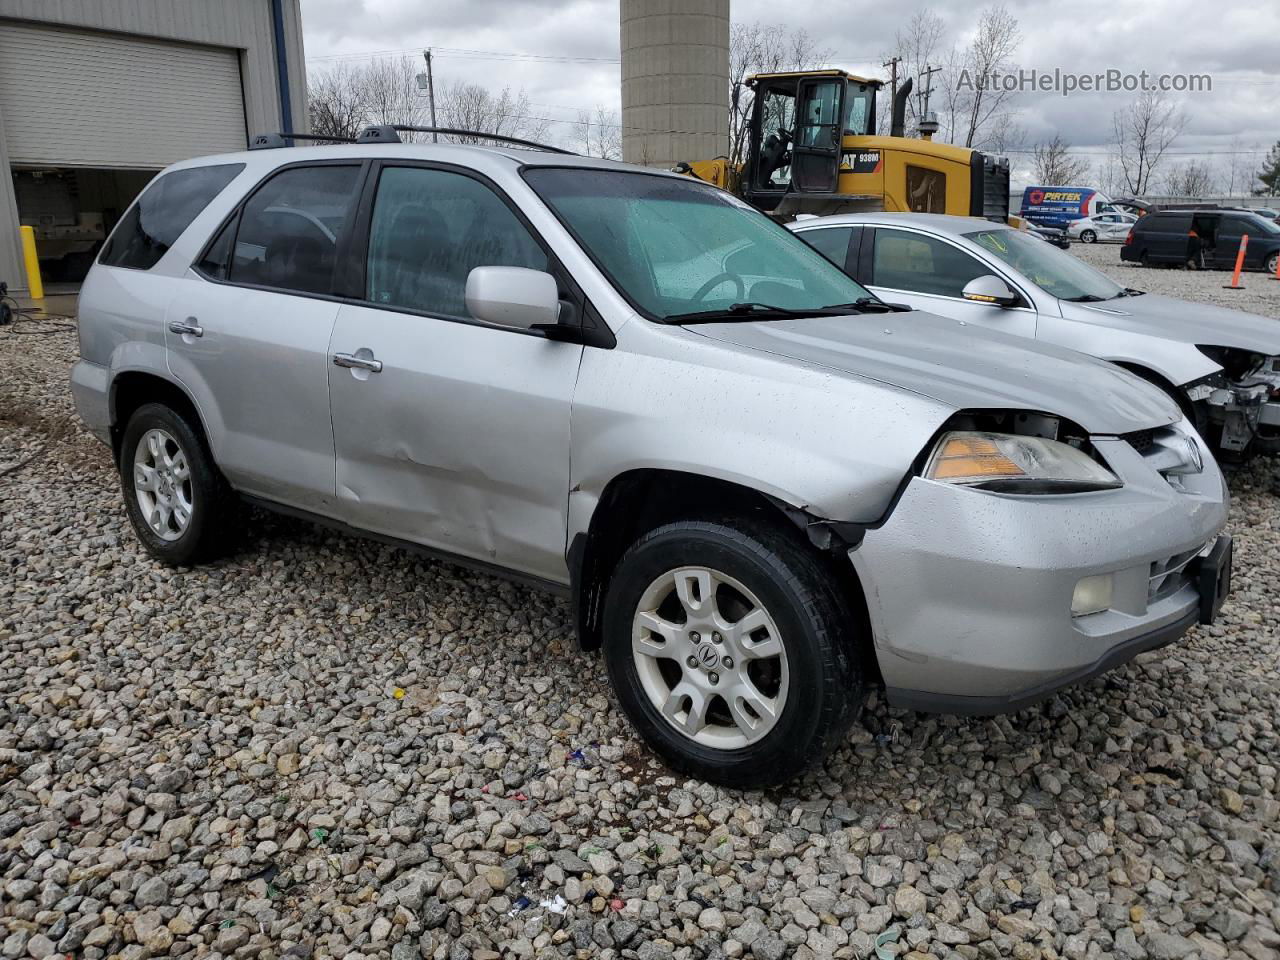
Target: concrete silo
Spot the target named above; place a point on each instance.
(675, 80)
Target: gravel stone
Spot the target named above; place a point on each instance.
(326, 747)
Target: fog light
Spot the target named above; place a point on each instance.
(1092, 595)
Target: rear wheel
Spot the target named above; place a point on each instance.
(1272, 262)
(1088, 236)
(730, 650)
(179, 504)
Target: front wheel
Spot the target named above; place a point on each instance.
(730, 649)
(1088, 236)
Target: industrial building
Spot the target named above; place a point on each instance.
(98, 95)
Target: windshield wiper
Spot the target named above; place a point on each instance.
(1085, 298)
(873, 305)
(759, 311)
(1130, 292)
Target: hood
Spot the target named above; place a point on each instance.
(964, 366)
(1194, 323)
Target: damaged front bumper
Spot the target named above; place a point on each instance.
(1246, 412)
(970, 593)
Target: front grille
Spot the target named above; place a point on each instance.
(1168, 575)
(1141, 440)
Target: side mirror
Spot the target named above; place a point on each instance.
(991, 290)
(514, 297)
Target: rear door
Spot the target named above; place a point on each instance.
(452, 433)
(929, 273)
(1167, 236)
(248, 333)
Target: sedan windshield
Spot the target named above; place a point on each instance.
(1056, 272)
(680, 249)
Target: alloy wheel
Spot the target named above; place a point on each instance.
(162, 484)
(709, 657)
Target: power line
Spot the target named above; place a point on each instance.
(462, 53)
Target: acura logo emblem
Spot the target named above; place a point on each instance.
(707, 656)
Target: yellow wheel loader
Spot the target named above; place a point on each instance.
(813, 150)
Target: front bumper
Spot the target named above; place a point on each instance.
(969, 593)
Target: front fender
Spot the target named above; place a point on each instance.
(833, 446)
(1179, 363)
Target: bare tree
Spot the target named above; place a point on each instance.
(598, 134)
(916, 47)
(389, 86)
(469, 106)
(761, 48)
(1054, 163)
(335, 102)
(991, 51)
(1192, 179)
(1143, 132)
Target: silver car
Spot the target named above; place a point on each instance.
(1105, 227)
(1222, 366)
(760, 489)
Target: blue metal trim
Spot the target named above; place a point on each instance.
(282, 65)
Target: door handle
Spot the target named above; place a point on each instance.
(358, 363)
(188, 326)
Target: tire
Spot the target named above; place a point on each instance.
(1271, 263)
(157, 442)
(766, 582)
(1088, 236)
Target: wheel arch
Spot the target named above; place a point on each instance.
(131, 389)
(642, 499)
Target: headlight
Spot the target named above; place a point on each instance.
(1014, 464)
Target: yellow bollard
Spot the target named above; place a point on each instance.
(34, 284)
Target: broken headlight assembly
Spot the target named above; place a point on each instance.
(1012, 463)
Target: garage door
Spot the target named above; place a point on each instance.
(75, 98)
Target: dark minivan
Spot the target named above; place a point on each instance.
(1206, 239)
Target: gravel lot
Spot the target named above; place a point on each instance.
(327, 747)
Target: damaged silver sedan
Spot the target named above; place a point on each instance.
(761, 489)
(1222, 366)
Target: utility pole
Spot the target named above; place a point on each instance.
(927, 75)
(892, 64)
(431, 93)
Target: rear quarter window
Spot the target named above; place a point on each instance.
(165, 209)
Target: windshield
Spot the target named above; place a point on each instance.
(1058, 273)
(674, 247)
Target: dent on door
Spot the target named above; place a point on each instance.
(460, 441)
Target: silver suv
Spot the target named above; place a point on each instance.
(762, 489)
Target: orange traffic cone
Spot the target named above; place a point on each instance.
(1235, 283)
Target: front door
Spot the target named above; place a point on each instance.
(928, 273)
(815, 162)
(248, 333)
(450, 432)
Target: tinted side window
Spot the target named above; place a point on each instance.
(910, 261)
(1234, 226)
(291, 227)
(430, 229)
(831, 242)
(165, 209)
(216, 261)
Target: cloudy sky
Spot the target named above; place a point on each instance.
(565, 54)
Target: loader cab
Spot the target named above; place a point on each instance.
(798, 125)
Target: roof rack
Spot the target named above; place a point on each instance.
(390, 133)
(273, 141)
